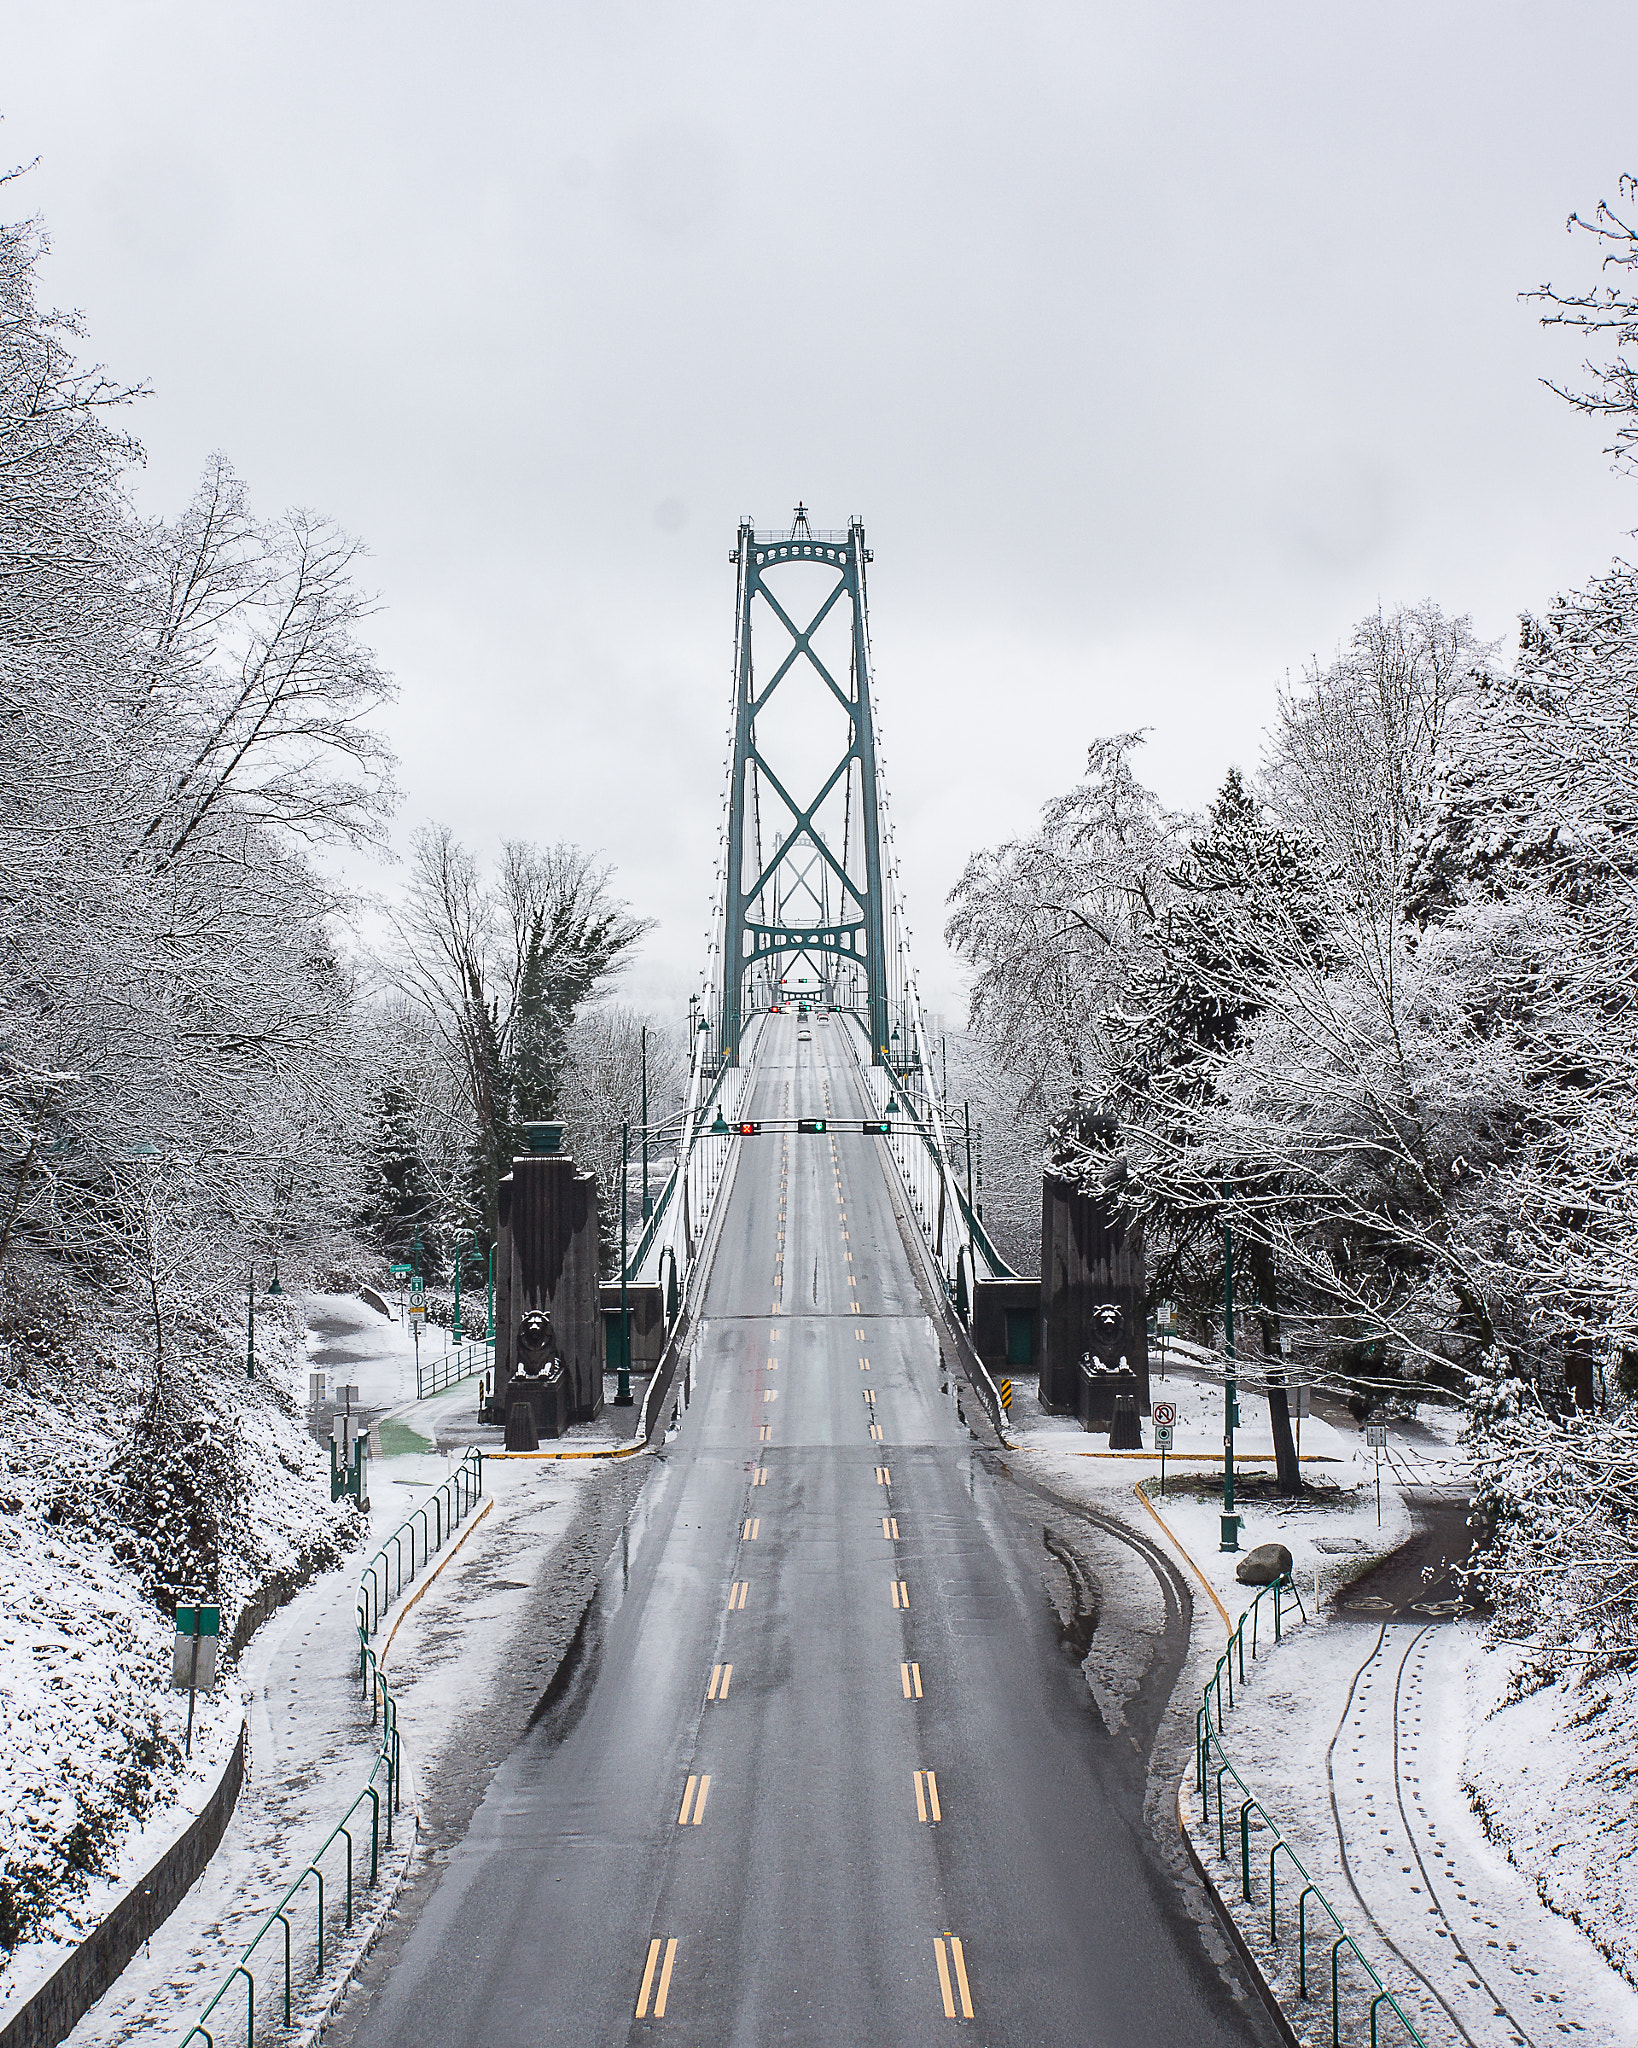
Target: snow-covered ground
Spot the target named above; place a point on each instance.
(1361, 1740)
(1368, 1742)
(312, 1743)
(102, 1511)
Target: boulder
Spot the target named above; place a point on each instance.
(1265, 1564)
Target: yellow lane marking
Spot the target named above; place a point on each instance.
(770, 1394)
(910, 1675)
(944, 1990)
(875, 1432)
(773, 1365)
(671, 1957)
(648, 1977)
(760, 1476)
(705, 1786)
(773, 1336)
(738, 1591)
(870, 1396)
(857, 1333)
(927, 1806)
(883, 1476)
(901, 1593)
(853, 1305)
(752, 1531)
(722, 1672)
(959, 1959)
(890, 1528)
(698, 1815)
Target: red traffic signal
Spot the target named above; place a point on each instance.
(749, 1130)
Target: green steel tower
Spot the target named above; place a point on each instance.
(803, 898)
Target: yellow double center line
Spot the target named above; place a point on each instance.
(960, 1962)
(665, 1978)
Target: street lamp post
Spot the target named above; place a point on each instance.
(622, 1391)
(647, 1205)
(1231, 1397)
(250, 1315)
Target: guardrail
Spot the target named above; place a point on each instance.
(459, 1363)
(433, 1520)
(1208, 1739)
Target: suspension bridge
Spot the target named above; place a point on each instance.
(821, 1770)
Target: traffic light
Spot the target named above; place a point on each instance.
(810, 1123)
(876, 1130)
(749, 1130)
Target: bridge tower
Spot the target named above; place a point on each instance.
(803, 907)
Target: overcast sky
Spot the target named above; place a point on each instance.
(1153, 345)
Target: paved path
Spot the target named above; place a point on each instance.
(823, 1771)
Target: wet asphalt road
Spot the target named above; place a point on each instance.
(821, 1772)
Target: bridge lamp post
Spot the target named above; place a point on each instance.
(648, 1206)
(622, 1391)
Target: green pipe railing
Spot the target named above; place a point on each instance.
(1208, 1740)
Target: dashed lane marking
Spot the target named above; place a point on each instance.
(890, 1528)
(701, 1786)
(927, 1806)
(737, 1594)
(720, 1675)
(910, 1679)
(901, 1593)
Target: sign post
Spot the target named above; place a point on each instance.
(1164, 1416)
(193, 1656)
(1376, 1436)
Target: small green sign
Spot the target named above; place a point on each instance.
(210, 1621)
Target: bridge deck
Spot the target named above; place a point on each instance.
(831, 1573)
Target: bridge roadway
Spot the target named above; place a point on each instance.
(823, 1772)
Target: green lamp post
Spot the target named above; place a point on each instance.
(622, 1391)
(1231, 1397)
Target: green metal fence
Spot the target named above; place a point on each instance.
(1209, 1750)
(382, 1579)
(459, 1363)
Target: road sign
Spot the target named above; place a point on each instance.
(878, 1130)
(1376, 1435)
(401, 1269)
(193, 1656)
(810, 1123)
(1006, 1395)
(1163, 1436)
(1299, 1400)
(418, 1295)
(1165, 1414)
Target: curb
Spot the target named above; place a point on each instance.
(1211, 1592)
(1231, 1928)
